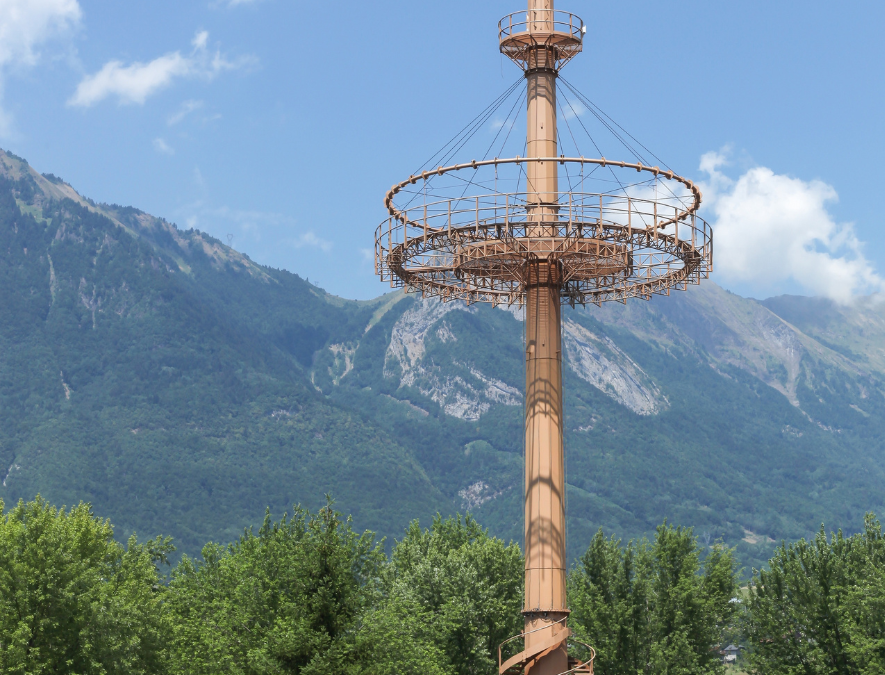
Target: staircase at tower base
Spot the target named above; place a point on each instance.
(522, 663)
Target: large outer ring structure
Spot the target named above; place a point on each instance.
(608, 246)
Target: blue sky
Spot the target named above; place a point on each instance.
(283, 123)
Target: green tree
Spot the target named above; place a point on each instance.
(397, 637)
(653, 608)
(284, 600)
(463, 585)
(73, 600)
(821, 606)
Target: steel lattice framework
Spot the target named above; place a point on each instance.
(609, 246)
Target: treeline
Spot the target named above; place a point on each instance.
(309, 595)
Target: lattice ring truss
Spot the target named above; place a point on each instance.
(609, 245)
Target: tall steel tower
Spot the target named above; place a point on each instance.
(453, 237)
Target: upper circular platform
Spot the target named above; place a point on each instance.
(522, 32)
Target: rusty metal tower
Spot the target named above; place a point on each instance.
(465, 238)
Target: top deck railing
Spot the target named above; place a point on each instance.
(540, 22)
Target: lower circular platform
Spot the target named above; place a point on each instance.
(607, 246)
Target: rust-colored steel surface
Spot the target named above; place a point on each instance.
(538, 246)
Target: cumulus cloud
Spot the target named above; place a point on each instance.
(136, 82)
(771, 228)
(25, 26)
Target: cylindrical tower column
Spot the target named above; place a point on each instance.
(541, 183)
(545, 567)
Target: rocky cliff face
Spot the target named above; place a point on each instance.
(461, 389)
(466, 392)
(724, 329)
(598, 360)
(730, 331)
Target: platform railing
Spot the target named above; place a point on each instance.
(541, 21)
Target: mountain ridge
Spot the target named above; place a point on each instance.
(182, 387)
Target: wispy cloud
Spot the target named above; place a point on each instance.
(186, 109)
(163, 147)
(573, 109)
(221, 4)
(770, 228)
(25, 26)
(310, 239)
(256, 226)
(136, 82)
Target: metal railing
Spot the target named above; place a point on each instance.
(541, 21)
(609, 246)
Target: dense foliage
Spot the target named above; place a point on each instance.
(73, 600)
(461, 585)
(820, 608)
(308, 595)
(656, 607)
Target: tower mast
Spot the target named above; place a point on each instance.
(540, 248)
(545, 606)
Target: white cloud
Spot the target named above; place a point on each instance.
(138, 81)
(201, 39)
(771, 228)
(163, 147)
(573, 109)
(310, 239)
(186, 109)
(25, 26)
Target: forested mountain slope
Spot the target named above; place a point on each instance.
(163, 377)
(182, 388)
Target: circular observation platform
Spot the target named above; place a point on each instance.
(604, 245)
(522, 33)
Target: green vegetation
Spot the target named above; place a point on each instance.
(654, 607)
(282, 600)
(821, 606)
(73, 600)
(308, 595)
(175, 402)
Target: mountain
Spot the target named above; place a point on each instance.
(164, 377)
(182, 388)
